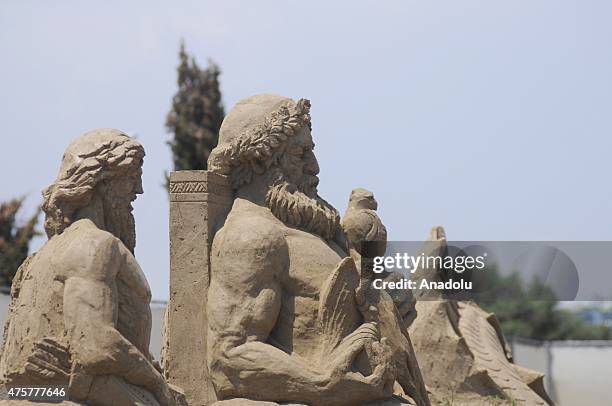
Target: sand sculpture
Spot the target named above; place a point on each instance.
(462, 352)
(461, 349)
(271, 297)
(80, 313)
(288, 307)
(364, 230)
(282, 320)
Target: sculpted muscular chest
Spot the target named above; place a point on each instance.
(311, 260)
(267, 260)
(118, 269)
(134, 296)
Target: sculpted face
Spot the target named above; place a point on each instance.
(99, 178)
(292, 195)
(118, 194)
(265, 140)
(299, 164)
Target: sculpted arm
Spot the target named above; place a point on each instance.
(244, 303)
(90, 313)
(243, 306)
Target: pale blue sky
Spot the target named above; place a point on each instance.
(492, 118)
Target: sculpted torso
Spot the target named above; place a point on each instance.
(134, 298)
(40, 310)
(265, 334)
(264, 341)
(284, 324)
(311, 260)
(300, 265)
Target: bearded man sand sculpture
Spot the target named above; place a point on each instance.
(283, 323)
(80, 312)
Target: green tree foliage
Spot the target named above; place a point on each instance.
(196, 115)
(531, 310)
(14, 240)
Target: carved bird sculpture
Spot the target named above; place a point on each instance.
(361, 224)
(367, 238)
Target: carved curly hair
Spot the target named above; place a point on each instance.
(259, 148)
(113, 155)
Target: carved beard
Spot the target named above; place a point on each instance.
(119, 220)
(297, 209)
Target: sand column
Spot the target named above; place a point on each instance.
(199, 201)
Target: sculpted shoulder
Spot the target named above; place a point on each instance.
(88, 251)
(253, 229)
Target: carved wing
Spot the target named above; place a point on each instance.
(364, 225)
(378, 232)
(490, 355)
(338, 314)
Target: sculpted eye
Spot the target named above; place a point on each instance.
(297, 151)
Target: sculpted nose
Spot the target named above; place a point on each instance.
(138, 189)
(312, 166)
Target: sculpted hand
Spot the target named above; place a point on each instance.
(49, 361)
(350, 347)
(342, 379)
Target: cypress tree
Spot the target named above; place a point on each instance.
(196, 115)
